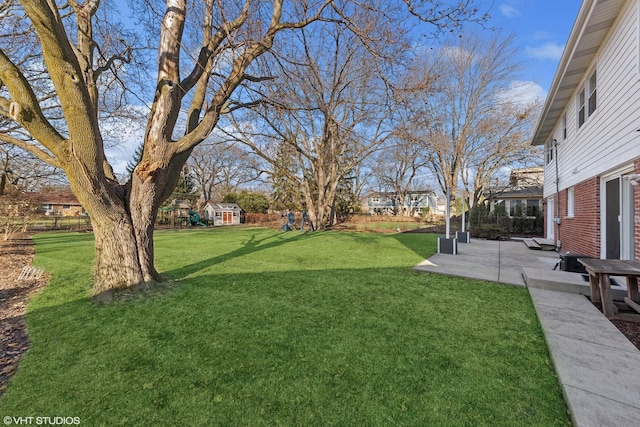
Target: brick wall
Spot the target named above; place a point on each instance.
(581, 233)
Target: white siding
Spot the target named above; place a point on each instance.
(609, 137)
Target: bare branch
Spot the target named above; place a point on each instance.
(31, 148)
(24, 108)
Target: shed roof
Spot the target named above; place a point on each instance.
(231, 206)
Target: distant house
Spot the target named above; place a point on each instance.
(589, 127)
(522, 195)
(415, 203)
(58, 203)
(222, 213)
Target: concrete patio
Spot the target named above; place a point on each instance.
(597, 366)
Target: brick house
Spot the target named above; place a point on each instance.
(589, 127)
(59, 203)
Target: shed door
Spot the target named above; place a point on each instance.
(227, 217)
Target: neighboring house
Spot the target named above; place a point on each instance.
(58, 203)
(522, 194)
(222, 213)
(590, 130)
(416, 202)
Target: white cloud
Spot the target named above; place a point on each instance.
(542, 35)
(523, 93)
(548, 50)
(509, 11)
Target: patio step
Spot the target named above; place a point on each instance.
(531, 244)
(545, 244)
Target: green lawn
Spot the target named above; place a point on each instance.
(266, 328)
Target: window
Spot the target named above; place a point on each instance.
(592, 94)
(581, 117)
(588, 106)
(533, 207)
(515, 208)
(570, 202)
(66, 206)
(549, 150)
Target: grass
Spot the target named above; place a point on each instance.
(284, 329)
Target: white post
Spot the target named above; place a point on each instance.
(448, 210)
(464, 199)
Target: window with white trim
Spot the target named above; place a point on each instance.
(592, 93)
(587, 100)
(570, 202)
(549, 151)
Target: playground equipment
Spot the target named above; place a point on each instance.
(179, 214)
(194, 219)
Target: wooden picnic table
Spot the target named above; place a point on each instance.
(599, 272)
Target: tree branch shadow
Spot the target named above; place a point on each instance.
(250, 246)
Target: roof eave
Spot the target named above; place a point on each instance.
(593, 23)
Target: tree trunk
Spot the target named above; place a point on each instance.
(123, 225)
(124, 250)
(143, 208)
(116, 265)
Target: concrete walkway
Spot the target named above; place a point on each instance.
(597, 366)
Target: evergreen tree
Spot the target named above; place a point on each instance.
(137, 156)
(286, 190)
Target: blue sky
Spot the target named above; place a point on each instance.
(541, 29)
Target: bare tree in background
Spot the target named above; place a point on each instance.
(398, 170)
(473, 124)
(22, 171)
(330, 107)
(219, 167)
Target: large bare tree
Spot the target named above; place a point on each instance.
(330, 108)
(79, 59)
(472, 121)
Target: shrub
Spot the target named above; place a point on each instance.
(490, 232)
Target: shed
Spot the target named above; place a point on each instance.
(222, 213)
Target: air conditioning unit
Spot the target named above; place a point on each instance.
(569, 262)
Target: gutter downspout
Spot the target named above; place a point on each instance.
(557, 201)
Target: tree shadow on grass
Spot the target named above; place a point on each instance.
(250, 246)
(423, 244)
